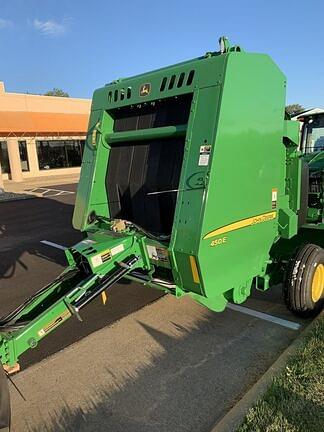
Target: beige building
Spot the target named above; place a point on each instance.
(40, 135)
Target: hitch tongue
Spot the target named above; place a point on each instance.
(69, 301)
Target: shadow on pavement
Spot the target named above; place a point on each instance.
(23, 224)
(187, 388)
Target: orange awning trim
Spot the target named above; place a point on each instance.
(20, 122)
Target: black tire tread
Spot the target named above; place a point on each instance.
(295, 294)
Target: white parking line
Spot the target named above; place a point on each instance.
(55, 245)
(43, 191)
(285, 323)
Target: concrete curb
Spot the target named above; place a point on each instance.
(18, 197)
(233, 419)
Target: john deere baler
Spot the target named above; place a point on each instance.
(191, 183)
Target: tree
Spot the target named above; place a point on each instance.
(57, 92)
(294, 109)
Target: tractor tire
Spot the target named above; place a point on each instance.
(304, 282)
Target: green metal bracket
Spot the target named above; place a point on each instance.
(216, 304)
(94, 134)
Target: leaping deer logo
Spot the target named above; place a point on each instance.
(145, 89)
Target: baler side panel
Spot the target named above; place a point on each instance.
(248, 166)
(193, 184)
(91, 195)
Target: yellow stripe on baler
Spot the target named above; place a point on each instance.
(194, 269)
(254, 220)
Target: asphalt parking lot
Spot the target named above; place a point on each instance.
(169, 366)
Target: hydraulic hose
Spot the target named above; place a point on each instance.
(7, 322)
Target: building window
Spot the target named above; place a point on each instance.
(59, 153)
(4, 158)
(23, 156)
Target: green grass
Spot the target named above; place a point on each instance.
(294, 402)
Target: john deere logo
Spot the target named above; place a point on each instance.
(145, 89)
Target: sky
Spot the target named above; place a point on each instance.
(80, 45)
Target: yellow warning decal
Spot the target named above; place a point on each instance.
(194, 269)
(254, 220)
(51, 325)
(104, 297)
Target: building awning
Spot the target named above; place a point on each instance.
(38, 123)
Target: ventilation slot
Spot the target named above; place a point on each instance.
(163, 84)
(181, 79)
(190, 77)
(171, 83)
(119, 95)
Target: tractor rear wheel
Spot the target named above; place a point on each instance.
(304, 282)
